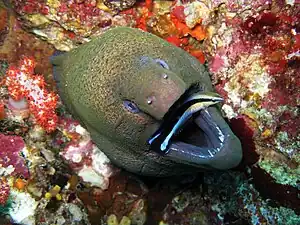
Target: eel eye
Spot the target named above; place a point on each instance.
(162, 63)
(130, 106)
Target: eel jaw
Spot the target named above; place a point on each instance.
(223, 152)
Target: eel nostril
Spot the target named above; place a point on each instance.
(165, 76)
(150, 100)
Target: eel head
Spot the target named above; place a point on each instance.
(149, 105)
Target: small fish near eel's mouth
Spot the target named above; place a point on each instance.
(193, 132)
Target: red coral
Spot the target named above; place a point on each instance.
(178, 18)
(10, 154)
(149, 5)
(177, 41)
(31, 7)
(83, 11)
(22, 83)
(174, 40)
(178, 12)
(198, 54)
(2, 111)
(262, 24)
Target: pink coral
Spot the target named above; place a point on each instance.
(10, 154)
(217, 64)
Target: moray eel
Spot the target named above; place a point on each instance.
(148, 105)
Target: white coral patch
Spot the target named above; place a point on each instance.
(80, 130)
(101, 163)
(290, 2)
(23, 207)
(260, 84)
(98, 174)
(195, 12)
(233, 94)
(76, 158)
(89, 175)
(55, 36)
(229, 112)
(254, 75)
(6, 170)
(248, 77)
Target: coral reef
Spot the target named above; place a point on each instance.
(252, 62)
(22, 84)
(49, 165)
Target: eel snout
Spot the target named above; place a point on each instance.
(198, 135)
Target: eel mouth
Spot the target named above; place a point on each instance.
(193, 132)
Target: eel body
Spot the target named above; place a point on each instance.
(149, 106)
